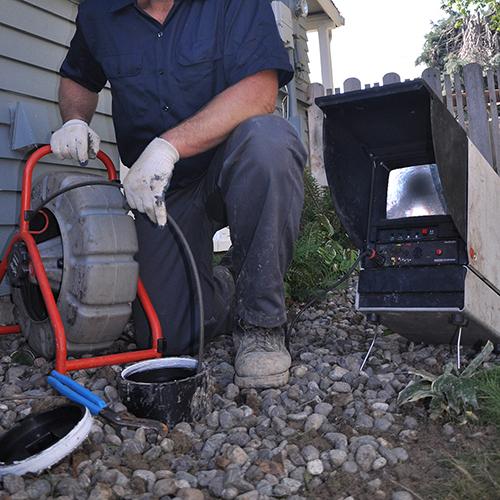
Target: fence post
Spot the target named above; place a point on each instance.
(479, 132)
(315, 122)
(432, 77)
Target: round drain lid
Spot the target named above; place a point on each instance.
(40, 441)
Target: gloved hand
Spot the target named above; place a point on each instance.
(148, 179)
(75, 140)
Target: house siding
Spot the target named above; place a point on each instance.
(34, 37)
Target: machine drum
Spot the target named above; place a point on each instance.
(87, 243)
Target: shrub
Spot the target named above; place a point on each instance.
(323, 251)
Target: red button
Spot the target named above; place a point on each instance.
(439, 251)
(425, 231)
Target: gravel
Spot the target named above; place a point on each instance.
(281, 443)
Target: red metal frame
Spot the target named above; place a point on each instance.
(63, 364)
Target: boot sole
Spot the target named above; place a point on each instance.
(263, 382)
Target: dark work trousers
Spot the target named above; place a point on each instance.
(254, 185)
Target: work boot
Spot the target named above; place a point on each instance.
(261, 360)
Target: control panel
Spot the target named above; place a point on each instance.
(417, 246)
(420, 253)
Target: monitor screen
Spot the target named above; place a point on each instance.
(415, 192)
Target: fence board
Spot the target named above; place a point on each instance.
(315, 119)
(449, 94)
(459, 99)
(391, 78)
(352, 84)
(495, 130)
(476, 110)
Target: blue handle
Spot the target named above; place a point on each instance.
(76, 392)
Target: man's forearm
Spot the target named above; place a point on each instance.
(253, 96)
(75, 101)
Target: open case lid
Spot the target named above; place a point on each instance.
(400, 125)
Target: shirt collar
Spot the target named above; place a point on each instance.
(119, 4)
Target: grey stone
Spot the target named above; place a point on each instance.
(237, 455)
(68, 487)
(314, 422)
(153, 453)
(410, 422)
(342, 387)
(226, 420)
(186, 476)
(350, 467)
(249, 495)
(323, 409)
(212, 445)
(100, 492)
(374, 484)
(379, 463)
(388, 454)
(382, 424)
(229, 493)
(190, 494)
(12, 483)
(364, 421)
(232, 391)
(132, 447)
(234, 478)
(147, 476)
(402, 495)
(315, 467)
(401, 454)
(365, 456)
(205, 476)
(39, 489)
(338, 373)
(337, 440)
(167, 445)
(165, 487)
(309, 453)
(337, 457)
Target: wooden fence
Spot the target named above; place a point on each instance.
(471, 95)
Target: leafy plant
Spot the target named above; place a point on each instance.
(323, 251)
(453, 393)
(469, 34)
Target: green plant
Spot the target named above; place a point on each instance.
(323, 250)
(488, 394)
(469, 34)
(454, 393)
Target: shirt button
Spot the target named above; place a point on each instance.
(161, 72)
(160, 34)
(165, 107)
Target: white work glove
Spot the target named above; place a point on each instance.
(75, 140)
(148, 179)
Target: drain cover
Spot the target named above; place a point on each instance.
(40, 441)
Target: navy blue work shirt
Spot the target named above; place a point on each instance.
(160, 74)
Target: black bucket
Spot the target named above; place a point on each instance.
(171, 390)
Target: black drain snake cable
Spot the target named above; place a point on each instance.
(192, 263)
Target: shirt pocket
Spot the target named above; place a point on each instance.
(122, 65)
(196, 60)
